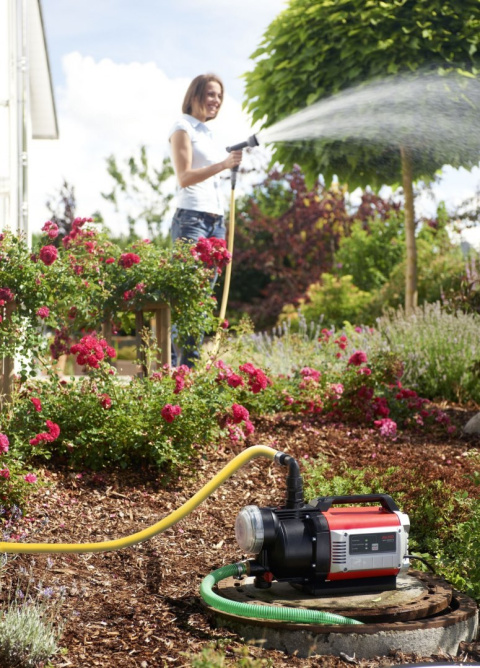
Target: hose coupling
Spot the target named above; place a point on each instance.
(242, 569)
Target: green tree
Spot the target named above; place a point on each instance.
(316, 49)
(370, 253)
(140, 190)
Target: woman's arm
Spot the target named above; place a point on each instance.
(182, 161)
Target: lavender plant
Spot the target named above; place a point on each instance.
(440, 350)
(30, 624)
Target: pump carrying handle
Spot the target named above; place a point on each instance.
(326, 502)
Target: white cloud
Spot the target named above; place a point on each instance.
(107, 108)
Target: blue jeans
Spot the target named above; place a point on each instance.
(189, 225)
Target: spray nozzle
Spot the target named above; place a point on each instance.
(251, 141)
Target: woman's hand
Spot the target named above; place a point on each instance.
(233, 160)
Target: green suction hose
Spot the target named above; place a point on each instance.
(296, 615)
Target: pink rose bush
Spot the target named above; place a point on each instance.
(212, 252)
(10, 480)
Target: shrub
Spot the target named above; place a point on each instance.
(440, 351)
(161, 420)
(333, 299)
(459, 557)
(22, 294)
(370, 253)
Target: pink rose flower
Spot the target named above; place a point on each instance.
(105, 401)
(240, 413)
(4, 443)
(37, 404)
(6, 295)
(47, 436)
(51, 229)
(358, 358)
(386, 427)
(43, 312)
(127, 260)
(48, 255)
(169, 412)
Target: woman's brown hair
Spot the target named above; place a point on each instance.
(196, 91)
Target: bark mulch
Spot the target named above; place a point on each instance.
(140, 607)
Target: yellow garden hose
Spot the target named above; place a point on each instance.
(174, 517)
(228, 273)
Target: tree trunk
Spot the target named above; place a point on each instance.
(411, 294)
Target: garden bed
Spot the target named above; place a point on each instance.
(140, 606)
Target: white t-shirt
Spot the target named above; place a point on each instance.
(205, 196)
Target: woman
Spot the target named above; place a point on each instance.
(198, 161)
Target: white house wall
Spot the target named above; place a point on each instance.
(27, 106)
(8, 132)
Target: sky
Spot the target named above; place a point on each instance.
(120, 70)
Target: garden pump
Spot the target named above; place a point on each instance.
(251, 141)
(326, 546)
